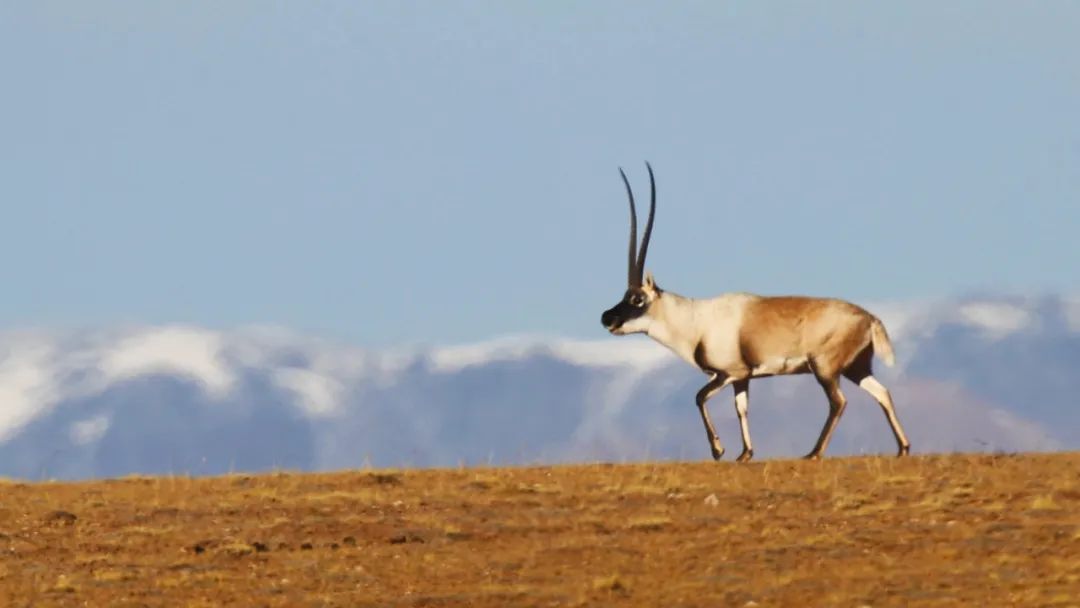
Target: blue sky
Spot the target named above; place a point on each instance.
(433, 172)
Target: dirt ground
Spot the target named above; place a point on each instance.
(993, 530)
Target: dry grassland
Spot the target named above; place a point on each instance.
(934, 530)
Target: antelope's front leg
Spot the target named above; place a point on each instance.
(718, 382)
(742, 403)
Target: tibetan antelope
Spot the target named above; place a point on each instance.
(735, 337)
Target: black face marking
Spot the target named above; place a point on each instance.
(635, 303)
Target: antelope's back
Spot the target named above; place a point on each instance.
(799, 326)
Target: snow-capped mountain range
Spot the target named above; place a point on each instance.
(994, 373)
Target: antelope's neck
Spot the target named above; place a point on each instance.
(674, 327)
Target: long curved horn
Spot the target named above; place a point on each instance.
(634, 275)
(648, 225)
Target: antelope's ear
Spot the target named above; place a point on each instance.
(649, 283)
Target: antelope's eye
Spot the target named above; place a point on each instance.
(637, 300)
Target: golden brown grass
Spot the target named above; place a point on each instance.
(935, 530)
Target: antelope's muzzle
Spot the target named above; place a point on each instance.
(611, 319)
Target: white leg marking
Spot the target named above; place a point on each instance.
(881, 394)
(742, 404)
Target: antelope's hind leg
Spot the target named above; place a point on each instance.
(830, 383)
(711, 388)
(861, 373)
(742, 404)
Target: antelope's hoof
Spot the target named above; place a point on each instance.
(745, 456)
(812, 456)
(903, 451)
(717, 453)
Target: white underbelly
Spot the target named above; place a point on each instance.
(780, 365)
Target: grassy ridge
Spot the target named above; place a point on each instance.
(931, 530)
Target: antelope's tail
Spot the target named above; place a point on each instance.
(879, 338)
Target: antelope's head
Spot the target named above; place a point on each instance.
(631, 314)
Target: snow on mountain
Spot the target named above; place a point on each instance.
(994, 373)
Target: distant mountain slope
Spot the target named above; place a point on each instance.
(976, 374)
